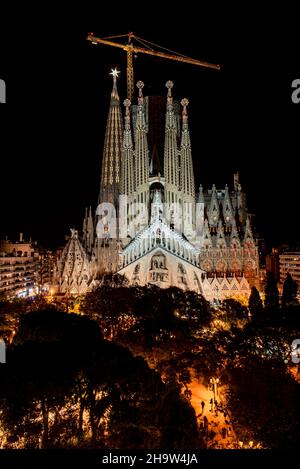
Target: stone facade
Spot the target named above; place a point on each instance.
(151, 225)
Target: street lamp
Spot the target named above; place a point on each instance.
(214, 384)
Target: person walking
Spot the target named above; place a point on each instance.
(202, 406)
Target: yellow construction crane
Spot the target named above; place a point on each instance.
(131, 48)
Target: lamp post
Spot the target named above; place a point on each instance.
(214, 384)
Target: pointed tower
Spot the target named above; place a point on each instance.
(171, 161)
(207, 241)
(200, 214)
(214, 209)
(157, 208)
(248, 236)
(105, 250)
(234, 236)
(141, 168)
(227, 208)
(220, 242)
(187, 182)
(72, 272)
(90, 232)
(84, 229)
(111, 161)
(241, 204)
(127, 185)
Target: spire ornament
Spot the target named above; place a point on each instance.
(184, 103)
(127, 104)
(127, 140)
(169, 86)
(140, 85)
(115, 74)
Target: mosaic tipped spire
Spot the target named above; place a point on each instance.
(111, 161)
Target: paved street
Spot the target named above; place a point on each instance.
(219, 433)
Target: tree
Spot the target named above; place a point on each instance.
(289, 293)
(271, 292)
(255, 303)
(108, 304)
(67, 387)
(264, 399)
(232, 312)
(178, 422)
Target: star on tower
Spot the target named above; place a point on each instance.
(115, 73)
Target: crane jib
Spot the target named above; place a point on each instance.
(132, 48)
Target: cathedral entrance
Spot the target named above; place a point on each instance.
(158, 272)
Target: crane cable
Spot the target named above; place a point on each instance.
(146, 43)
(163, 48)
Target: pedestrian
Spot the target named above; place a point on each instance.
(202, 405)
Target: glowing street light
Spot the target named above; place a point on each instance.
(214, 384)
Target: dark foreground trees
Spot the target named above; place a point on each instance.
(266, 399)
(255, 303)
(289, 292)
(64, 386)
(271, 292)
(121, 308)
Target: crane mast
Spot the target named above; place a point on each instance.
(131, 48)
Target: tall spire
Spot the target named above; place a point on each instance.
(111, 161)
(171, 153)
(127, 172)
(186, 166)
(141, 156)
(141, 147)
(187, 183)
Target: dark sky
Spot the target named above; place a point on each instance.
(241, 118)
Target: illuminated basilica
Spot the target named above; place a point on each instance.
(150, 224)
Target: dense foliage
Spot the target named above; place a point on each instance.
(64, 386)
(114, 376)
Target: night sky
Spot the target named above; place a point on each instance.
(241, 119)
